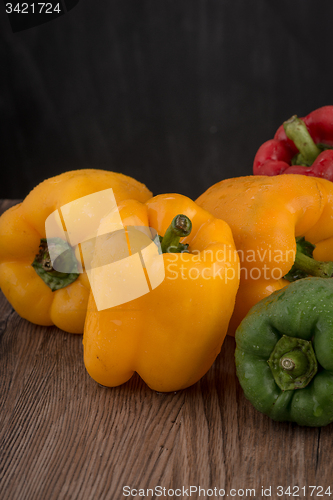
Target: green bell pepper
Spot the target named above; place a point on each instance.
(284, 353)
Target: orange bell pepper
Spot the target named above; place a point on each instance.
(265, 215)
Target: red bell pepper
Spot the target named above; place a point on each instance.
(300, 146)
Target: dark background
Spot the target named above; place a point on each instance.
(177, 93)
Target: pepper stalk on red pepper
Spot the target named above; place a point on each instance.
(300, 146)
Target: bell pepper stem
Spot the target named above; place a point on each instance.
(313, 267)
(305, 265)
(67, 263)
(293, 363)
(296, 131)
(180, 227)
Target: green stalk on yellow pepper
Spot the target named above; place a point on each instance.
(37, 292)
(171, 335)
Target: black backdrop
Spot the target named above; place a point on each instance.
(177, 93)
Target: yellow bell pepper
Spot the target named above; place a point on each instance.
(23, 226)
(265, 215)
(171, 335)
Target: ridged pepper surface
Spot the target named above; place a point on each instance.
(171, 335)
(284, 353)
(266, 215)
(22, 231)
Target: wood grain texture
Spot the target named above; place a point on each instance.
(64, 437)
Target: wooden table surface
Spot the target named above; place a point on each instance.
(64, 437)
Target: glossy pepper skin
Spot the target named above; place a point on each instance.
(23, 226)
(281, 155)
(265, 215)
(284, 353)
(172, 335)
